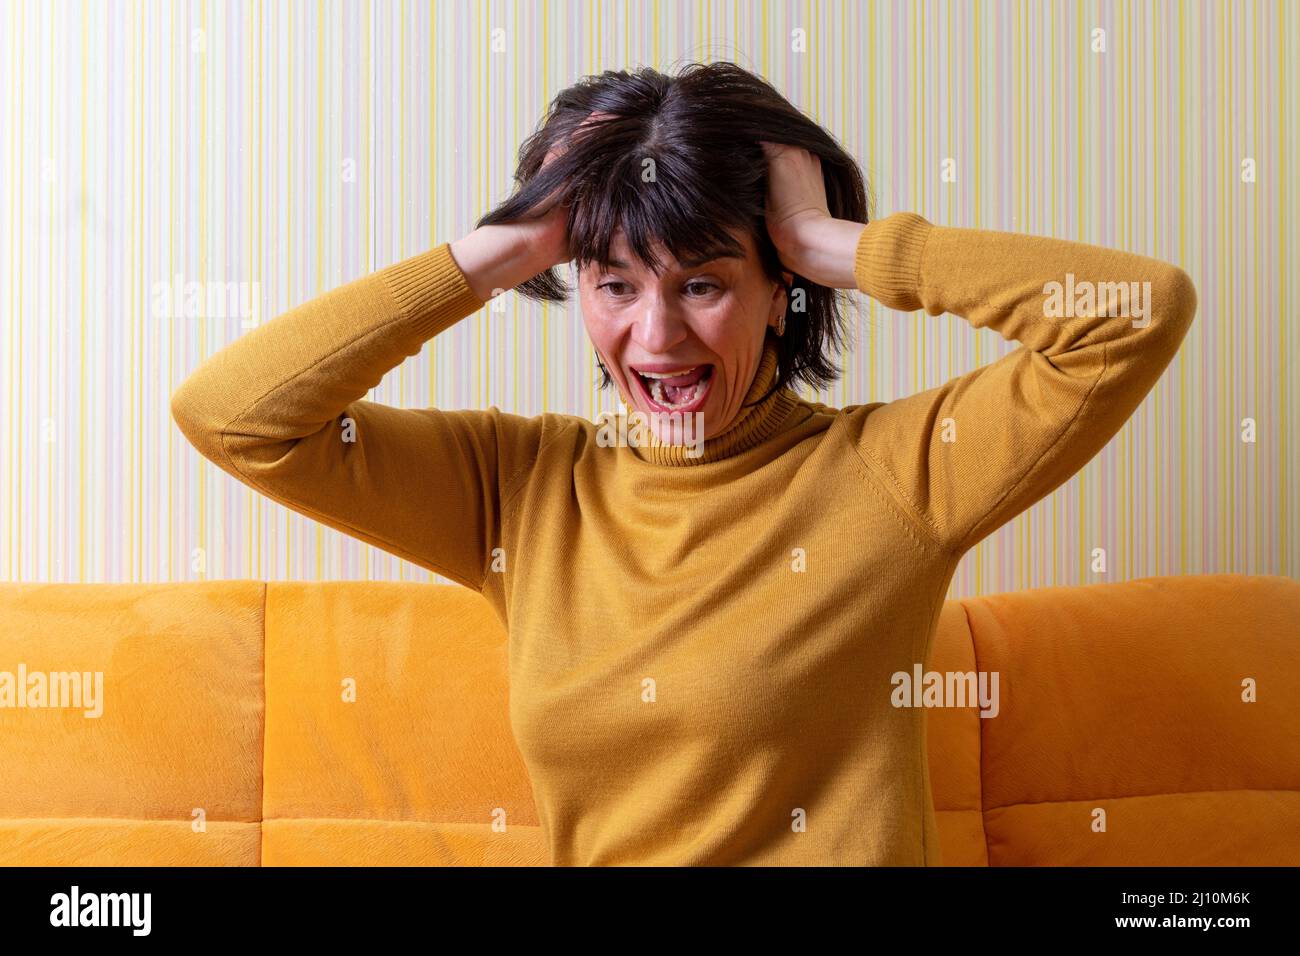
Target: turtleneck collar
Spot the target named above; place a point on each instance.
(752, 424)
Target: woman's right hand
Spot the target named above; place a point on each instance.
(499, 257)
(546, 229)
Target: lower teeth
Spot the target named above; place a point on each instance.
(657, 393)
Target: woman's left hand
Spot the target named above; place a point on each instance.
(796, 192)
(810, 241)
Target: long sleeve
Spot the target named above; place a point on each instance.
(282, 410)
(964, 458)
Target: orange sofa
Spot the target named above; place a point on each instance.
(246, 723)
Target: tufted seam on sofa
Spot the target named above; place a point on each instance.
(478, 824)
(261, 817)
(101, 818)
(258, 823)
(975, 653)
(1142, 796)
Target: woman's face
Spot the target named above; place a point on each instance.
(686, 341)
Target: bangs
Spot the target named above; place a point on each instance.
(683, 213)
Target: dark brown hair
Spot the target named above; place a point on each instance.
(702, 129)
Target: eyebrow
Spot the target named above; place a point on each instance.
(689, 263)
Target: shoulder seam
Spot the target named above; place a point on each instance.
(509, 487)
(886, 488)
(516, 481)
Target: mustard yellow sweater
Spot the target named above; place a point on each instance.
(701, 648)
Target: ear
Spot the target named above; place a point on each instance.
(780, 299)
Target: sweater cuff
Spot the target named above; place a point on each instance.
(887, 261)
(431, 289)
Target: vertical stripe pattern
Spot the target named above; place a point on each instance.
(173, 173)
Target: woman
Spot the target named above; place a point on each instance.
(702, 639)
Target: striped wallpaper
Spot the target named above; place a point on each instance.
(285, 148)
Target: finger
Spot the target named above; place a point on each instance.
(562, 146)
(559, 148)
(595, 116)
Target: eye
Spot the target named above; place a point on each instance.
(610, 284)
(700, 284)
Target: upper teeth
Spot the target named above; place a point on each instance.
(669, 374)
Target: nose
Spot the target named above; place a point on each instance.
(660, 327)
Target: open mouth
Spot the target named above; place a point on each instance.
(675, 390)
